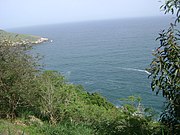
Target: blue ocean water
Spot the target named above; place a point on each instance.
(108, 56)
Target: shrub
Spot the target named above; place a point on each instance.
(18, 71)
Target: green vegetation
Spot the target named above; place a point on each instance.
(17, 37)
(22, 39)
(34, 101)
(38, 102)
(165, 69)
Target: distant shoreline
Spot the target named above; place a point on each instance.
(40, 40)
(19, 39)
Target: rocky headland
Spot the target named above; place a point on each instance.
(19, 39)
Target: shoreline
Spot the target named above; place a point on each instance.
(27, 41)
(40, 40)
(20, 39)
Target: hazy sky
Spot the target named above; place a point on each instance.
(17, 13)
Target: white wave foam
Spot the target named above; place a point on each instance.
(138, 70)
(147, 72)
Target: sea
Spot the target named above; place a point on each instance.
(106, 56)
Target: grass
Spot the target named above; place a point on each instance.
(66, 129)
(19, 127)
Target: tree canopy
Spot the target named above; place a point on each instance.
(165, 67)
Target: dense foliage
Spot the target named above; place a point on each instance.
(43, 102)
(35, 101)
(17, 74)
(165, 68)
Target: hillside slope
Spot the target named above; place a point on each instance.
(19, 38)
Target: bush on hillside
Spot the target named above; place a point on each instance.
(17, 74)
